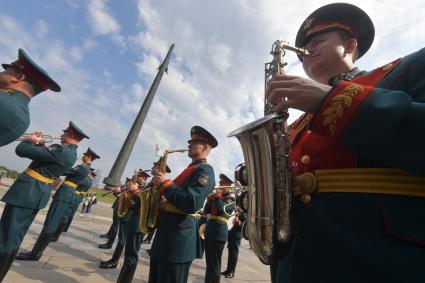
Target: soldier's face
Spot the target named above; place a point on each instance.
(141, 180)
(8, 76)
(327, 52)
(195, 148)
(155, 170)
(87, 158)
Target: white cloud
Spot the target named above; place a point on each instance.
(101, 19)
(41, 28)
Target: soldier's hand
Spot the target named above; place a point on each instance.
(159, 179)
(134, 187)
(296, 92)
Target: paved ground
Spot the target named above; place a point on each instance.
(75, 257)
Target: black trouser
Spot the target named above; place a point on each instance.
(133, 240)
(113, 230)
(233, 252)
(14, 224)
(168, 272)
(213, 253)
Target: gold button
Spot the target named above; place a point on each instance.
(387, 67)
(305, 198)
(305, 159)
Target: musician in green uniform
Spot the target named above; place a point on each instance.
(357, 157)
(19, 82)
(113, 230)
(219, 206)
(134, 233)
(63, 194)
(176, 239)
(31, 191)
(80, 192)
(60, 206)
(139, 183)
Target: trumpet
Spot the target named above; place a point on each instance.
(46, 138)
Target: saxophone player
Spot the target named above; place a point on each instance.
(175, 244)
(133, 234)
(358, 160)
(132, 188)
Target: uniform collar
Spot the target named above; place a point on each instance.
(346, 76)
(198, 161)
(70, 145)
(17, 94)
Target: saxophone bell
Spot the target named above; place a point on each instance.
(266, 148)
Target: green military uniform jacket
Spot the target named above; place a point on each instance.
(374, 237)
(14, 115)
(82, 188)
(76, 175)
(52, 161)
(217, 229)
(177, 239)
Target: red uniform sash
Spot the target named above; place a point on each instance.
(344, 101)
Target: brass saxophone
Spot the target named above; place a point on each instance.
(266, 148)
(123, 204)
(150, 198)
(124, 199)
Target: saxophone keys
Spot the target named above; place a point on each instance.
(305, 198)
(305, 159)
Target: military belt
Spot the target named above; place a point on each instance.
(360, 180)
(71, 184)
(38, 176)
(171, 208)
(219, 218)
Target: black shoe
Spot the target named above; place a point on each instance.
(113, 262)
(230, 275)
(108, 264)
(35, 256)
(105, 246)
(37, 251)
(224, 272)
(104, 236)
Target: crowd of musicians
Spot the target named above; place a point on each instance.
(356, 160)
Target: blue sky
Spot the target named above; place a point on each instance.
(105, 54)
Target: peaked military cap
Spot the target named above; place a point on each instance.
(92, 154)
(198, 133)
(143, 173)
(225, 179)
(167, 169)
(338, 16)
(75, 130)
(35, 73)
